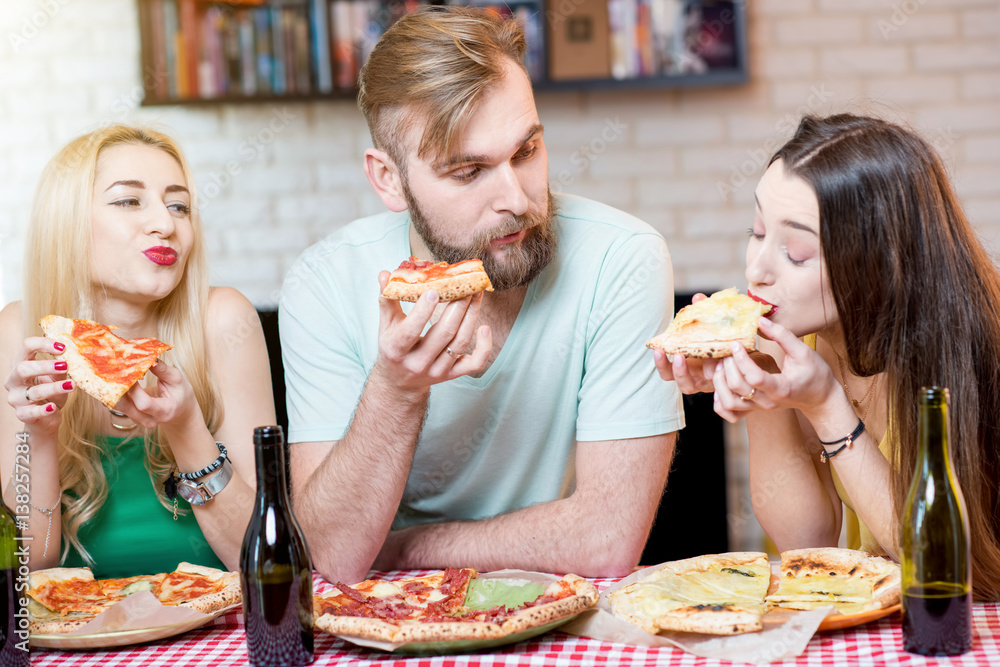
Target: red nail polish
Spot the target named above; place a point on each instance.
(61, 366)
(50, 408)
(67, 385)
(59, 346)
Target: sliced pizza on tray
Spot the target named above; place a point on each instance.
(852, 581)
(719, 594)
(451, 281)
(101, 363)
(63, 599)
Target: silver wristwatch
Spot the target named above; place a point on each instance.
(199, 493)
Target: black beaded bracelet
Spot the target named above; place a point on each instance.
(848, 441)
(211, 467)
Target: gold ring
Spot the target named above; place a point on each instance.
(454, 355)
(27, 396)
(749, 397)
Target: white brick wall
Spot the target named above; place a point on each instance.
(278, 177)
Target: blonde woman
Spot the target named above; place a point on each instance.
(115, 237)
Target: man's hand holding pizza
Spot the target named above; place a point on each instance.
(410, 360)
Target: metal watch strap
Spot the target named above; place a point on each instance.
(205, 491)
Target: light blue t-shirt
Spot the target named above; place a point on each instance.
(574, 367)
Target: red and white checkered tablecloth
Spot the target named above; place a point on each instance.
(223, 643)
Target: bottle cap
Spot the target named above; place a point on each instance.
(268, 435)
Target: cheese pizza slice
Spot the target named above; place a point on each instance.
(451, 281)
(102, 364)
(718, 594)
(852, 581)
(708, 328)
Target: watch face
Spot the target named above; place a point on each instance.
(190, 493)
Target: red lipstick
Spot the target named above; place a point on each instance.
(756, 298)
(161, 255)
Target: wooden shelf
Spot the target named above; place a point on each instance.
(221, 60)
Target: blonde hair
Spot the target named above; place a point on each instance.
(58, 280)
(434, 65)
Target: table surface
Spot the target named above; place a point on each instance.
(223, 643)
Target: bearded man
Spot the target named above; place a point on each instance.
(521, 428)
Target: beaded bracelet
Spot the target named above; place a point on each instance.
(211, 467)
(848, 441)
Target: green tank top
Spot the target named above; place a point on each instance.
(133, 533)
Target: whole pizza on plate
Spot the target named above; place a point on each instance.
(433, 608)
(62, 599)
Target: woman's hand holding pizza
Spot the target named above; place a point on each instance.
(413, 360)
(174, 400)
(744, 383)
(37, 388)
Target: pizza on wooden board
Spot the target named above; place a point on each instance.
(99, 362)
(724, 594)
(451, 281)
(62, 599)
(708, 328)
(433, 608)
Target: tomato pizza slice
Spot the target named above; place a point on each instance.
(451, 281)
(102, 364)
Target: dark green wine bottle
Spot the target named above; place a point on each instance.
(275, 568)
(13, 583)
(936, 555)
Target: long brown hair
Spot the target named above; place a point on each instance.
(917, 297)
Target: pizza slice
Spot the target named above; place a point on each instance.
(719, 594)
(61, 599)
(204, 589)
(707, 329)
(852, 581)
(452, 281)
(102, 364)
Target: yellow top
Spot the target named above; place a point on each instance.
(858, 535)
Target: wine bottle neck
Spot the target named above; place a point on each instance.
(271, 476)
(933, 453)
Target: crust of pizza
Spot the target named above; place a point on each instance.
(708, 328)
(853, 581)
(57, 627)
(719, 594)
(451, 288)
(355, 626)
(79, 369)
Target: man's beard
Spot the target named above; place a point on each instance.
(519, 262)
